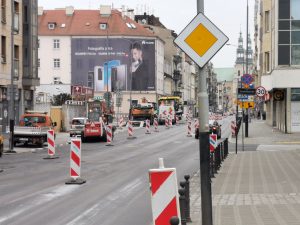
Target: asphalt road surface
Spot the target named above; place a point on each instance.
(116, 192)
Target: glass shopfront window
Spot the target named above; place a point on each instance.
(289, 32)
(295, 94)
(295, 9)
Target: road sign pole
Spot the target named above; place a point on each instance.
(247, 41)
(206, 198)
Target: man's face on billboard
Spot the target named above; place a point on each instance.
(136, 54)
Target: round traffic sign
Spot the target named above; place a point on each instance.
(260, 91)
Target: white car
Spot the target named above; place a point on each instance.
(77, 125)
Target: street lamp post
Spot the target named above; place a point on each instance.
(12, 94)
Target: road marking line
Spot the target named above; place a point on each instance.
(104, 203)
(42, 199)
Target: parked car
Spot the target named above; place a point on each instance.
(214, 128)
(77, 126)
(33, 128)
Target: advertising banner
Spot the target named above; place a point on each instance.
(117, 64)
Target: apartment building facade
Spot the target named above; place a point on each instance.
(279, 37)
(18, 74)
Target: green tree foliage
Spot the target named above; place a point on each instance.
(60, 99)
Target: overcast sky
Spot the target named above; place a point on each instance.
(228, 15)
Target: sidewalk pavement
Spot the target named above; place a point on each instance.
(256, 187)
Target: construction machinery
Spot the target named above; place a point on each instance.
(142, 112)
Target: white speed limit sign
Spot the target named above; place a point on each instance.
(260, 91)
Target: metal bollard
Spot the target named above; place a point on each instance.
(187, 196)
(174, 220)
(182, 204)
(226, 148)
(217, 155)
(212, 165)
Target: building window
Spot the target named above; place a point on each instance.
(3, 49)
(289, 32)
(295, 94)
(295, 12)
(90, 79)
(51, 26)
(39, 63)
(16, 16)
(3, 11)
(56, 63)
(103, 26)
(56, 80)
(267, 62)
(16, 61)
(267, 21)
(56, 43)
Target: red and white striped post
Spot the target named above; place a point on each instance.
(130, 130)
(51, 145)
(189, 130)
(177, 121)
(233, 128)
(75, 162)
(166, 123)
(170, 121)
(148, 127)
(156, 125)
(212, 142)
(121, 121)
(109, 135)
(164, 194)
(196, 124)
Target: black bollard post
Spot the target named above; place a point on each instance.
(216, 159)
(226, 148)
(174, 220)
(187, 196)
(212, 164)
(182, 206)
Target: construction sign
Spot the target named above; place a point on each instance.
(246, 105)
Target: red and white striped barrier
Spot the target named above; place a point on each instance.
(51, 145)
(156, 125)
(75, 162)
(109, 135)
(189, 130)
(177, 121)
(167, 123)
(130, 130)
(164, 194)
(148, 127)
(121, 121)
(196, 124)
(233, 128)
(212, 142)
(170, 121)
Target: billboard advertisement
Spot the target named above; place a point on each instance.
(117, 64)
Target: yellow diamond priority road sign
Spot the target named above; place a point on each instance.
(201, 40)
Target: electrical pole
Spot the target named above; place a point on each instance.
(247, 48)
(206, 198)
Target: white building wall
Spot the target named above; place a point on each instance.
(46, 54)
(160, 53)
